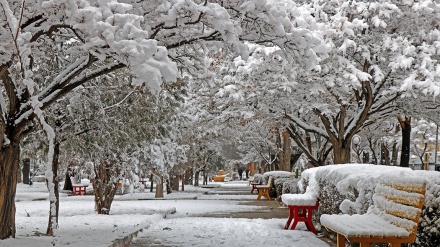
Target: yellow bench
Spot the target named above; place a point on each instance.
(219, 177)
(263, 190)
(393, 218)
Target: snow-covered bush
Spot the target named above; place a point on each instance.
(290, 186)
(349, 189)
(428, 233)
(279, 178)
(258, 178)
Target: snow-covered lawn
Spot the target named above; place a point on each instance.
(79, 225)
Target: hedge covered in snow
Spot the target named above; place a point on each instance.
(349, 189)
(284, 182)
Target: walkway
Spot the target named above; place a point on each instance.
(217, 228)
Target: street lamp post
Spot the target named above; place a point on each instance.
(356, 140)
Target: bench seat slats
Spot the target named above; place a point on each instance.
(361, 226)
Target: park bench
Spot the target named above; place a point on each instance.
(220, 177)
(263, 190)
(254, 183)
(301, 207)
(393, 218)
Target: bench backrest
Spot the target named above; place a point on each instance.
(268, 184)
(270, 181)
(400, 202)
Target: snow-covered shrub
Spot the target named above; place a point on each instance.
(279, 177)
(428, 234)
(258, 177)
(290, 186)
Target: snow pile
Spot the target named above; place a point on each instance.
(349, 189)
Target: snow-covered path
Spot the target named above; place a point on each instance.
(187, 228)
(204, 231)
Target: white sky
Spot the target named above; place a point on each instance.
(80, 226)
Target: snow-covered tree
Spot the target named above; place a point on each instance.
(106, 38)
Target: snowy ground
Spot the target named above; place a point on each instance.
(182, 226)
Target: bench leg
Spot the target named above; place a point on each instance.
(260, 193)
(295, 218)
(286, 226)
(341, 240)
(309, 222)
(267, 194)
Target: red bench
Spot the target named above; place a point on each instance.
(301, 207)
(254, 186)
(79, 189)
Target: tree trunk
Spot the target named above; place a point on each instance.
(205, 176)
(196, 178)
(159, 187)
(26, 170)
(54, 204)
(67, 182)
(175, 183)
(286, 151)
(183, 177)
(105, 188)
(151, 182)
(341, 153)
(405, 124)
(9, 158)
(384, 155)
(188, 176)
(280, 155)
(168, 186)
(394, 154)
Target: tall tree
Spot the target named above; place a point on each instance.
(101, 46)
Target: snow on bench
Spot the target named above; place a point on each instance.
(392, 219)
(299, 199)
